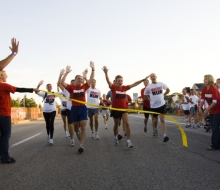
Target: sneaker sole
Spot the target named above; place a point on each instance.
(80, 150)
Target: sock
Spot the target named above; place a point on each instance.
(164, 135)
(128, 141)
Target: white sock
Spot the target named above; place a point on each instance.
(164, 135)
(128, 141)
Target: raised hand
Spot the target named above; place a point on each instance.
(85, 73)
(14, 45)
(40, 83)
(92, 65)
(68, 69)
(105, 69)
(62, 71)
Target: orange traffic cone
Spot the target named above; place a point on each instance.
(178, 112)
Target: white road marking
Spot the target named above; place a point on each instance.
(24, 140)
(150, 118)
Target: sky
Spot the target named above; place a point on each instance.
(178, 40)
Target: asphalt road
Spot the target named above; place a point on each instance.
(151, 164)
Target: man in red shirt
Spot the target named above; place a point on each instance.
(146, 106)
(79, 110)
(5, 115)
(119, 97)
(14, 51)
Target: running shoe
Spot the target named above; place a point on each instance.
(96, 136)
(78, 135)
(81, 149)
(106, 127)
(129, 145)
(165, 139)
(116, 141)
(92, 134)
(195, 126)
(11, 160)
(72, 143)
(119, 137)
(67, 134)
(145, 129)
(51, 141)
(155, 132)
(188, 126)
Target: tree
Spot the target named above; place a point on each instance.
(15, 103)
(28, 102)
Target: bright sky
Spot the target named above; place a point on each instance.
(178, 40)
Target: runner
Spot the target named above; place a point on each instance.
(119, 101)
(211, 95)
(64, 104)
(193, 107)
(185, 105)
(5, 115)
(14, 52)
(79, 110)
(105, 111)
(93, 96)
(146, 106)
(66, 109)
(218, 84)
(154, 94)
(49, 110)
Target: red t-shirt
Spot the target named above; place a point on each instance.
(145, 102)
(5, 100)
(119, 96)
(104, 103)
(78, 93)
(128, 98)
(209, 95)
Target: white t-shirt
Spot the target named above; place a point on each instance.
(93, 96)
(49, 101)
(155, 91)
(185, 106)
(66, 104)
(194, 99)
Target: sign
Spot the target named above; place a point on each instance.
(135, 96)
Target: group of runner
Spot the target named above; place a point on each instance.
(77, 112)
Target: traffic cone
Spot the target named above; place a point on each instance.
(178, 112)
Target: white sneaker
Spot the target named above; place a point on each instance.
(92, 134)
(96, 136)
(106, 127)
(72, 143)
(116, 141)
(67, 134)
(51, 141)
(129, 145)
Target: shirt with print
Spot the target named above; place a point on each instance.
(119, 96)
(104, 103)
(194, 99)
(5, 99)
(93, 96)
(145, 102)
(49, 101)
(65, 103)
(211, 95)
(185, 106)
(155, 91)
(78, 93)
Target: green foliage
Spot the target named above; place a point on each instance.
(15, 103)
(28, 102)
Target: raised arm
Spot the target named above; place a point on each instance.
(14, 50)
(68, 70)
(85, 76)
(138, 82)
(92, 73)
(62, 71)
(38, 86)
(106, 76)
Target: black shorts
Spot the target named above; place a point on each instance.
(186, 112)
(161, 110)
(117, 114)
(64, 112)
(146, 109)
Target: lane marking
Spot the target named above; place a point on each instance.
(20, 142)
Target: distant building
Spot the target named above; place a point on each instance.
(198, 86)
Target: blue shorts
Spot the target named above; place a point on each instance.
(79, 113)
